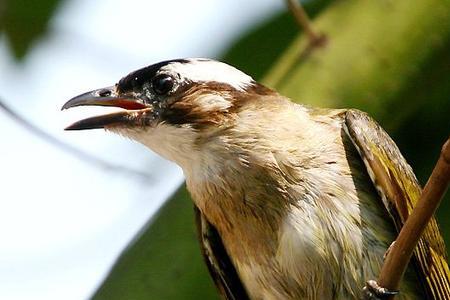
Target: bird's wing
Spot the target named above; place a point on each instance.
(399, 190)
(216, 257)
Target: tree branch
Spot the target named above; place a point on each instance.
(400, 253)
(303, 21)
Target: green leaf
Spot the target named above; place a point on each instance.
(24, 21)
(375, 48)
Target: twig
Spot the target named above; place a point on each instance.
(313, 39)
(303, 21)
(399, 255)
(68, 148)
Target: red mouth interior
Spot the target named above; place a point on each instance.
(128, 104)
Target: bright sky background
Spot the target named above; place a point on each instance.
(63, 221)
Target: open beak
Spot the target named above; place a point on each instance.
(107, 97)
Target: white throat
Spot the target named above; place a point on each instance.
(176, 144)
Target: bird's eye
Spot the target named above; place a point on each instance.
(163, 84)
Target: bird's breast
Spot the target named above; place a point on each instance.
(295, 209)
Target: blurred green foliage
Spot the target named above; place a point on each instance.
(24, 21)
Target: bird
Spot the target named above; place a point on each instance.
(290, 201)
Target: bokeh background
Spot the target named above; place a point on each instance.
(71, 202)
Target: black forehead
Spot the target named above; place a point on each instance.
(137, 78)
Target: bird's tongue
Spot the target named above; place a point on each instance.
(126, 104)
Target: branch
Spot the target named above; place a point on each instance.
(400, 253)
(81, 155)
(312, 41)
(303, 21)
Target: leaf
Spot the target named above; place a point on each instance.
(375, 48)
(23, 21)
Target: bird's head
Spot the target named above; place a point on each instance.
(172, 106)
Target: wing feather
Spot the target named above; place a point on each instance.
(216, 257)
(400, 190)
